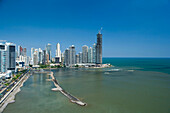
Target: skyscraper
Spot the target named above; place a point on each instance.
(99, 49)
(72, 55)
(62, 58)
(32, 52)
(90, 53)
(48, 50)
(77, 59)
(94, 53)
(40, 56)
(3, 57)
(11, 59)
(20, 51)
(44, 57)
(32, 55)
(25, 51)
(35, 57)
(85, 54)
(80, 57)
(47, 56)
(66, 57)
(58, 53)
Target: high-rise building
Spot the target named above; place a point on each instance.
(32, 55)
(77, 59)
(72, 55)
(66, 57)
(48, 51)
(47, 56)
(85, 54)
(16, 53)
(3, 57)
(94, 53)
(32, 52)
(62, 58)
(99, 49)
(25, 51)
(80, 57)
(44, 57)
(40, 56)
(7, 56)
(20, 51)
(58, 53)
(35, 57)
(11, 59)
(26, 60)
(90, 55)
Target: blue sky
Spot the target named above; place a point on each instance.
(131, 28)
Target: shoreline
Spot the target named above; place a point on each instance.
(79, 67)
(10, 96)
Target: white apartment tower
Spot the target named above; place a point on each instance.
(58, 52)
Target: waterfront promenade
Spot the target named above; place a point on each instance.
(13, 88)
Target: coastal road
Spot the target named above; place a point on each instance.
(6, 89)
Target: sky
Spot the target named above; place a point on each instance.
(131, 28)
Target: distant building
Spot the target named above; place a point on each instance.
(72, 55)
(47, 56)
(25, 51)
(20, 51)
(80, 57)
(77, 59)
(44, 58)
(32, 55)
(85, 54)
(57, 60)
(94, 53)
(90, 55)
(48, 51)
(32, 52)
(62, 58)
(99, 49)
(66, 57)
(58, 53)
(53, 60)
(35, 57)
(40, 56)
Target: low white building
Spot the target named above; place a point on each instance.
(7, 74)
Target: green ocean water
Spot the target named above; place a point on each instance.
(145, 90)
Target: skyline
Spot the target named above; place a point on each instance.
(131, 29)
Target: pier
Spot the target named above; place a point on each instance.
(68, 95)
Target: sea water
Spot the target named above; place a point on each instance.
(133, 85)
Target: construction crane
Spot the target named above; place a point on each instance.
(100, 30)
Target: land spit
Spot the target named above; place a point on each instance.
(68, 95)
